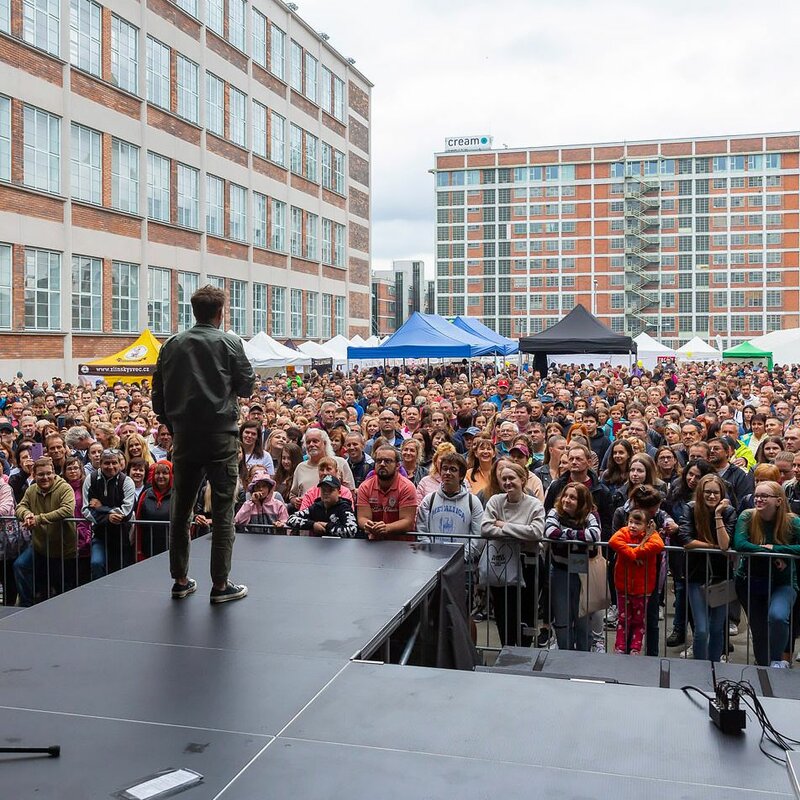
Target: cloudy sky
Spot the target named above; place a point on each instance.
(540, 72)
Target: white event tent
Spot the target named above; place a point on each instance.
(784, 345)
(315, 351)
(697, 350)
(264, 352)
(338, 348)
(649, 350)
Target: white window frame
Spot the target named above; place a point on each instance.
(86, 173)
(42, 290)
(326, 89)
(238, 306)
(124, 304)
(215, 104)
(277, 138)
(327, 241)
(158, 73)
(260, 230)
(326, 159)
(296, 231)
(188, 89)
(87, 293)
(295, 66)
(340, 315)
(41, 24)
(296, 313)
(5, 287)
(277, 52)
(189, 6)
(5, 16)
(85, 38)
(188, 200)
(295, 149)
(277, 236)
(311, 251)
(339, 245)
(311, 65)
(238, 117)
(259, 37)
(42, 150)
(260, 145)
(237, 33)
(215, 16)
(259, 308)
(159, 299)
(339, 172)
(159, 179)
(327, 316)
(124, 54)
(124, 187)
(237, 208)
(215, 206)
(311, 161)
(338, 98)
(312, 314)
(278, 311)
(188, 284)
(5, 138)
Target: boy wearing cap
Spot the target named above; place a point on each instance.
(263, 508)
(328, 515)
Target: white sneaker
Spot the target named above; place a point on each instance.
(780, 665)
(661, 613)
(611, 617)
(733, 629)
(686, 653)
(599, 647)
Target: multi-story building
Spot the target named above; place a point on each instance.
(149, 148)
(676, 237)
(396, 295)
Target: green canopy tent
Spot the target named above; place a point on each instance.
(747, 351)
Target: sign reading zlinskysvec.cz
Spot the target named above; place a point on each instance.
(482, 142)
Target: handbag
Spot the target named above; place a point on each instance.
(593, 586)
(719, 594)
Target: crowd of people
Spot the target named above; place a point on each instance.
(685, 476)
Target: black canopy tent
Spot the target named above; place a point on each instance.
(578, 332)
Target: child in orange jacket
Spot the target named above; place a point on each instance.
(637, 546)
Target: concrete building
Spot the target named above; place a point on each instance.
(149, 148)
(678, 237)
(396, 294)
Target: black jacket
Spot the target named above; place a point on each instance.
(740, 482)
(340, 519)
(153, 539)
(600, 494)
(706, 567)
(599, 444)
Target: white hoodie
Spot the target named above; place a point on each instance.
(445, 517)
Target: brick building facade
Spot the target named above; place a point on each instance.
(676, 237)
(149, 148)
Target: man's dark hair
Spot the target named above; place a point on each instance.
(207, 302)
(589, 414)
(464, 419)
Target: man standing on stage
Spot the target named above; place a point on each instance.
(199, 375)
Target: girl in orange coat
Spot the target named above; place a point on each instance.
(635, 573)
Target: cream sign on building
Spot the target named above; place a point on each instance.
(482, 142)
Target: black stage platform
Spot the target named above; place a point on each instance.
(262, 697)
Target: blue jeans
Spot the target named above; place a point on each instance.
(572, 631)
(36, 574)
(709, 625)
(107, 559)
(769, 616)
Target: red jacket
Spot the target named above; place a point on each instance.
(636, 568)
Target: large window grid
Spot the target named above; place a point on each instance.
(87, 293)
(259, 129)
(158, 69)
(326, 89)
(260, 232)
(189, 6)
(296, 67)
(278, 226)
(277, 52)
(215, 104)
(339, 250)
(238, 117)
(311, 78)
(277, 139)
(296, 313)
(124, 297)
(42, 150)
(238, 318)
(188, 197)
(158, 186)
(238, 212)
(87, 165)
(215, 206)
(327, 316)
(338, 172)
(312, 223)
(5, 16)
(188, 284)
(188, 89)
(278, 310)
(296, 149)
(42, 290)
(312, 314)
(296, 232)
(236, 15)
(341, 318)
(84, 35)
(124, 54)
(338, 98)
(5, 139)
(215, 15)
(124, 176)
(327, 165)
(311, 157)
(327, 241)
(158, 300)
(259, 36)
(5, 286)
(41, 24)
(259, 308)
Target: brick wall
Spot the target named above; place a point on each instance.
(303, 104)
(175, 15)
(227, 51)
(331, 122)
(302, 265)
(17, 141)
(269, 80)
(359, 134)
(358, 100)
(305, 186)
(173, 236)
(173, 125)
(31, 204)
(224, 148)
(32, 61)
(270, 258)
(334, 199)
(100, 219)
(359, 203)
(359, 237)
(32, 345)
(270, 169)
(359, 168)
(359, 270)
(359, 305)
(104, 94)
(227, 248)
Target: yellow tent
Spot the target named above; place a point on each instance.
(133, 363)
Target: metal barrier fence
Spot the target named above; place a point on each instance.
(544, 593)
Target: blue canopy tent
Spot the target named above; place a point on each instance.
(503, 346)
(426, 336)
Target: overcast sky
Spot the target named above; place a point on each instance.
(541, 72)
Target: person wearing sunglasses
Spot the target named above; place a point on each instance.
(766, 584)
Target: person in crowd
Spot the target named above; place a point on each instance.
(519, 517)
(761, 473)
(386, 501)
(708, 525)
(21, 476)
(317, 445)
(276, 441)
(326, 466)
(739, 481)
(56, 448)
(137, 470)
(108, 497)
(262, 510)
(360, 463)
(766, 584)
(329, 514)
(432, 481)
(769, 448)
(387, 429)
(252, 451)
(47, 509)
(520, 454)
(411, 460)
(479, 464)
(783, 461)
(162, 446)
(616, 473)
(636, 546)
(791, 487)
(13, 539)
(550, 470)
(668, 468)
(75, 476)
(136, 447)
(569, 526)
(154, 506)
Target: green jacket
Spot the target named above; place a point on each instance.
(199, 375)
(52, 537)
(760, 566)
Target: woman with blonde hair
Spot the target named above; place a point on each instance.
(431, 482)
(136, 447)
(104, 433)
